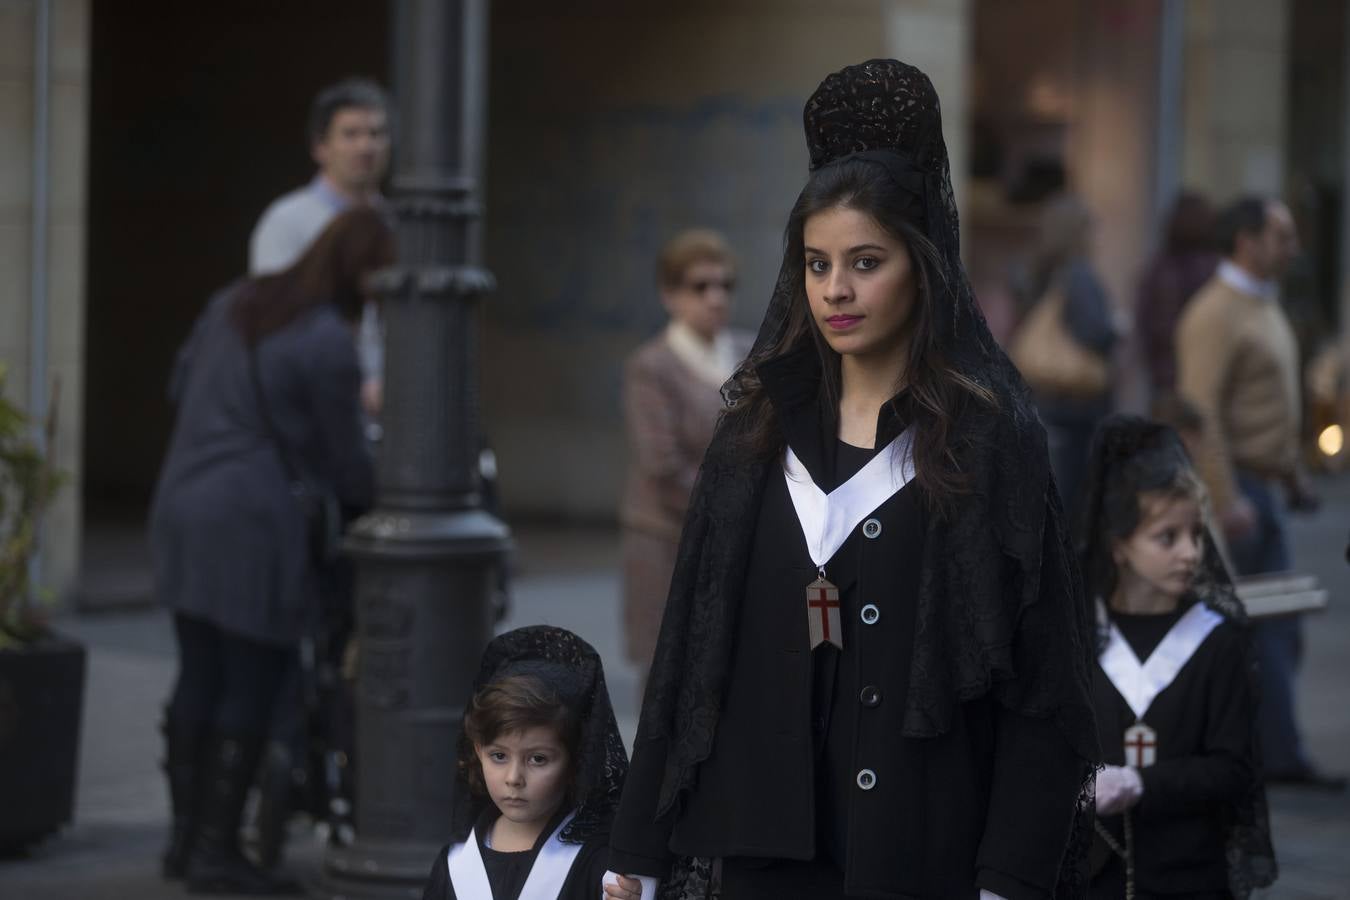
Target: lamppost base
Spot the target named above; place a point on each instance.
(428, 535)
(374, 870)
(425, 580)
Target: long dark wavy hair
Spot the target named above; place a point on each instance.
(936, 391)
(332, 271)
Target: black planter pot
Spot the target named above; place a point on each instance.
(41, 698)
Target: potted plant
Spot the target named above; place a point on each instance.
(41, 673)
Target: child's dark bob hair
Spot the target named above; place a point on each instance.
(1131, 457)
(517, 703)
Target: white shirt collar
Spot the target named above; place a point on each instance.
(1240, 279)
(713, 362)
(322, 188)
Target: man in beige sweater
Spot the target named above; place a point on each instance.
(1238, 365)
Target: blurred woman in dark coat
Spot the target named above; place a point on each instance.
(267, 394)
(1186, 260)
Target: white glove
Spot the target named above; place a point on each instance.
(611, 879)
(990, 895)
(1118, 789)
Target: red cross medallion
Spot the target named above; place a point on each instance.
(1141, 746)
(822, 613)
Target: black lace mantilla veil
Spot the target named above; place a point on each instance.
(572, 667)
(1000, 607)
(1121, 438)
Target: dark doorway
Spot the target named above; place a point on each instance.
(1316, 147)
(197, 123)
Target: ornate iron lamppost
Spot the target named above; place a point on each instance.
(427, 556)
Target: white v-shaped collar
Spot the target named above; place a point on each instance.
(469, 877)
(1139, 683)
(828, 519)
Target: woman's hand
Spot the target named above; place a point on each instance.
(623, 887)
(1118, 789)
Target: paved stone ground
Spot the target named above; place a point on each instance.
(111, 852)
(1312, 831)
(568, 578)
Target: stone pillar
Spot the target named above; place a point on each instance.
(1169, 137)
(935, 36)
(1345, 216)
(1236, 71)
(1113, 152)
(427, 556)
(1113, 144)
(62, 288)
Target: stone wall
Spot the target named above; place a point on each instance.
(612, 126)
(68, 112)
(1236, 65)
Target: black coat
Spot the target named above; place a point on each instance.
(229, 542)
(989, 802)
(507, 872)
(1205, 761)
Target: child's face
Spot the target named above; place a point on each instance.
(1165, 548)
(526, 773)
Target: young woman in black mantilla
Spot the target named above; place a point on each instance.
(872, 678)
(1181, 809)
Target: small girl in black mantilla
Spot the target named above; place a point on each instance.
(1180, 809)
(541, 767)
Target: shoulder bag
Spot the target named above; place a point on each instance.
(323, 516)
(1051, 360)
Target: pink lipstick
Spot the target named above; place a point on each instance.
(843, 323)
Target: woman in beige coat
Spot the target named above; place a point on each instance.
(671, 402)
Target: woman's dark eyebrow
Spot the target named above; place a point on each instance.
(850, 251)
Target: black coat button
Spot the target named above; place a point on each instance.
(870, 614)
(867, 779)
(872, 529)
(870, 696)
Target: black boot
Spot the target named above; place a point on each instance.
(276, 801)
(216, 865)
(182, 765)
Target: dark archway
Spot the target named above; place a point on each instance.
(197, 122)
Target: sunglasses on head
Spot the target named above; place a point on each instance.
(702, 286)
